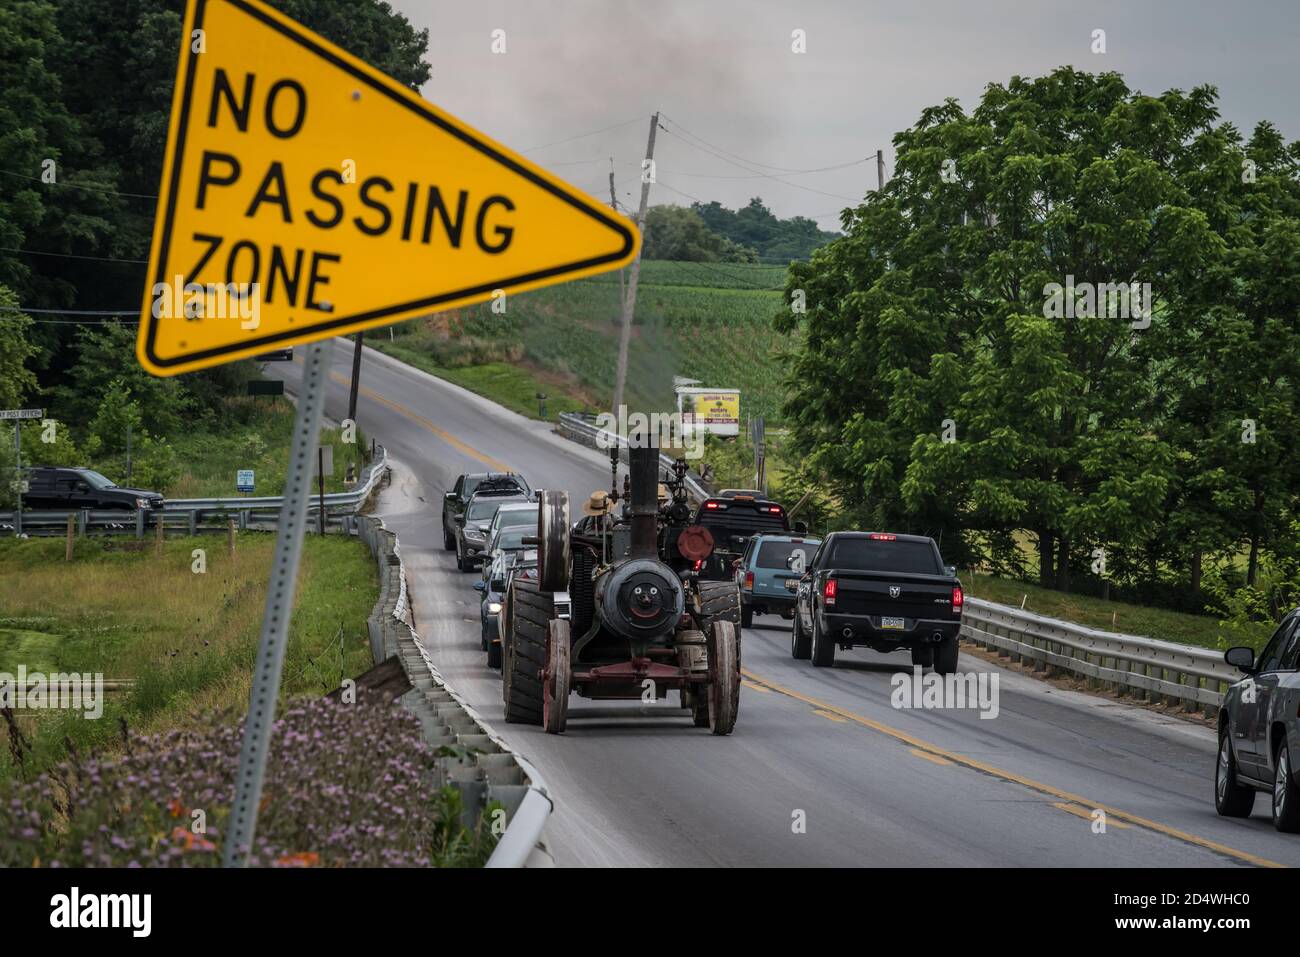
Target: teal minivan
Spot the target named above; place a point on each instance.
(761, 573)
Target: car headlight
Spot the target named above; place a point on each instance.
(473, 533)
(494, 607)
(143, 503)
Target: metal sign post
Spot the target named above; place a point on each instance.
(18, 415)
(279, 607)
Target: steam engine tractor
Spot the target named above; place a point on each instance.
(615, 613)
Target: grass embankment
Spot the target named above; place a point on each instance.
(187, 639)
(512, 386)
(1200, 630)
(254, 434)
(707, 321)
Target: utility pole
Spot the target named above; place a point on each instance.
(613, 202)
(356, 378)
(629, 301)
(880, 169)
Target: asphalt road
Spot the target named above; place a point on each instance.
(822, 769)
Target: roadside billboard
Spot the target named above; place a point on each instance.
(716, 411)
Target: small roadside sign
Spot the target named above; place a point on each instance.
(244, 480)
(306, 195)
(22, 413)
(325, 460)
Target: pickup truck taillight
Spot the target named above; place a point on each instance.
(957, 599)
(828, 591)
(749, 581)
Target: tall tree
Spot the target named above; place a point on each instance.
(959, 372)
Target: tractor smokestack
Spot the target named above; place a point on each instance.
(643, 468)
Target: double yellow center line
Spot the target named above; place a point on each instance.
(933, 752)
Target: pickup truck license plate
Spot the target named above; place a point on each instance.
(897, 623)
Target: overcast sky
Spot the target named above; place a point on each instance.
(723, 71)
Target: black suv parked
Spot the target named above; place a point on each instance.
(60, 488)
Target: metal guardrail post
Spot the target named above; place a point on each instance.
(83, 516)
(139, 523)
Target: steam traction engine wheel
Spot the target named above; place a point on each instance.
(724, 677)
(714, 601)
(553, 541)
(555, 679)
(528, 624)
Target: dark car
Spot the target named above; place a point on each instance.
(885, 591)
(1259, 733)
(732, 522)
(472, 529)
(496, 575)
(71, 488)
(454, 502)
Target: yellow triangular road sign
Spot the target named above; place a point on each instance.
(306, 195)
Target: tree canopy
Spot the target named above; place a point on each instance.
(965, 369)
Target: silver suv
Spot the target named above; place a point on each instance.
(1259, 733)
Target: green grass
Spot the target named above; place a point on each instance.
(509, 385)
(188, 640)
(1200, 630)
(706, 321)
(255, 434)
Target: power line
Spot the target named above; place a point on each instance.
(775, 179)
(71, 312)
(96, 189)
(39, 252)
(581, 136)
(751, 162)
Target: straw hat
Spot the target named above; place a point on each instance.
(597, 504)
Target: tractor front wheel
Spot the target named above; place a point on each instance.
(724, 677)
(555, 684)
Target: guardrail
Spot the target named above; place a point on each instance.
(574, 426)
(1130, 665)
(469, 754)
(190, 514)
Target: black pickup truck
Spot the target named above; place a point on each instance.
(72, 488)
(885, 591)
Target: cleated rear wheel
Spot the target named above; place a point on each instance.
(528, 624)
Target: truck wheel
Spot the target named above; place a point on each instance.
(448, 539)
(945, 656)
(746, 616)
(530, 619)
(800, 643)
(923, 656)
(724, 677)
(823, 649)
(1231, 798)
(1286, 802)
(555, 686)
